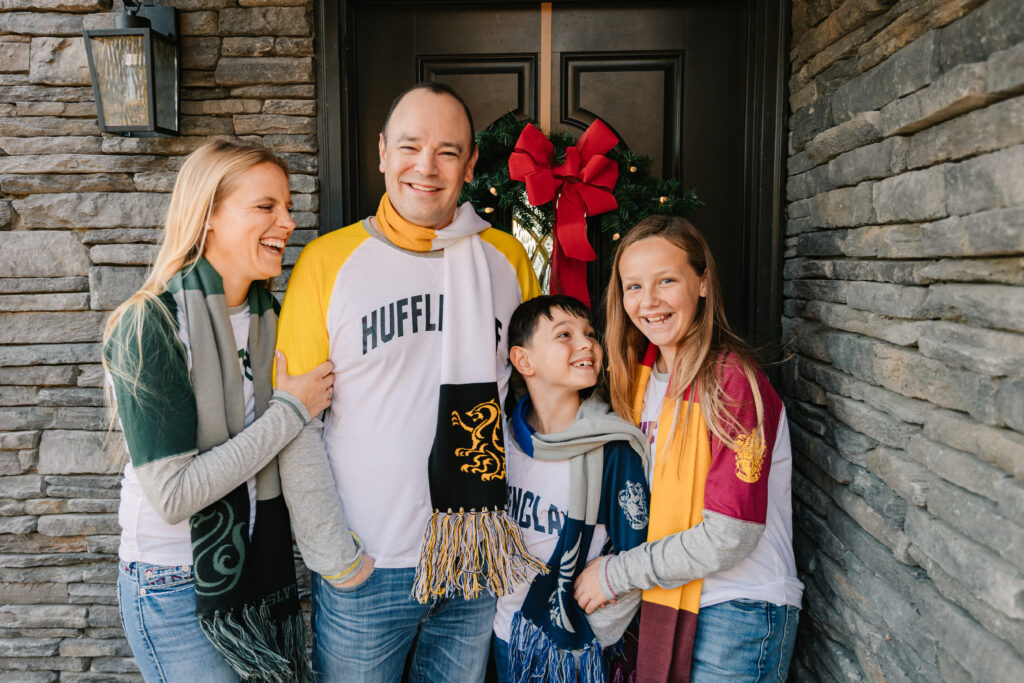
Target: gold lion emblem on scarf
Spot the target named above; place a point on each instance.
(750, 453)
(487, 450)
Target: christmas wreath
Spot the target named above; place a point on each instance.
(544, 189)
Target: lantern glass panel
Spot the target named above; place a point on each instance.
(165, 63)
(120, 72)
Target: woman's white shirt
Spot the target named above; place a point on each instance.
(144, 536)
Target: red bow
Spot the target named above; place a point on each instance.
(581, 187)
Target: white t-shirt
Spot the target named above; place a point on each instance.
(144, 536)
(538, 498)
(654, 396)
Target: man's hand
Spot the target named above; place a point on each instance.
(361, 575)
(588, 587)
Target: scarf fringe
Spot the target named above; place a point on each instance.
(533, 656)
(464, 553)
(259, 648)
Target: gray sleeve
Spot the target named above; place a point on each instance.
(609, 622)
(182, 485)
(716, 544)
(327, 546)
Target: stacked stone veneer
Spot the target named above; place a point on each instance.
(904, 312)
(80, 218)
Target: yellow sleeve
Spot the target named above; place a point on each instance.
(515, 253)
(302, 327)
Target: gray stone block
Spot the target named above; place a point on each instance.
(93, 647)
(986, 351)
(978, 519)
(870, 162)
(805, 123)
(29, 647)
(291, 108)
(216, 107)
(79, 163)
(78, 182)
(13, 57)
(302, 183)
(1007, 271)
(984, 573)
(1011, 403)
(93, 210)
(994, 127)
(65, 144)
(955, 92)
(864, 419)
(48, 328)
(955, 466)
(849, 319)
(199, 53)
(908, 479)
(78, 525)
(41, 23)
(893, 300)
(1000, 448)
(46, 354)
(123, 236)
(998, 306)
(42, 616)
(123, 254)
(246, 124)
(988, 182)
(1005, 70)
(42, 254)
(45, 302)
(1001, 22)
(913, 196)
(198, 23)
(59, 61)
(910, 69)
(261, 21)
(261, 46)
(110, 286)
(845, 207)
(263, 70)
(862, 129)
(75, 452)
(35, 126)
(1009, 494)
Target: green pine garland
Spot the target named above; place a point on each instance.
(497, 197)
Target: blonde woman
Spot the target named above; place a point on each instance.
(207, 582)
(721, 597)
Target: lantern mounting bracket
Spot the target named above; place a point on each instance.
(161, 19)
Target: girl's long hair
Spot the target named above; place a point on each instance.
(207, 176)
(704, 350)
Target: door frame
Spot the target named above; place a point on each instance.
(767, 73)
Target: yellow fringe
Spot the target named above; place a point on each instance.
(465, 552)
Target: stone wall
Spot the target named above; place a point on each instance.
(904, 311)
(79, 220)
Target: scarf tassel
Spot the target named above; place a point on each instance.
(464, 553)
(535, 657)
(259, 648)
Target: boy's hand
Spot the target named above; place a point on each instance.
(588, 587)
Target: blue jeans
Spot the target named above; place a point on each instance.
(364, 634)
(158, 613)
(744, 640)
(499, 652)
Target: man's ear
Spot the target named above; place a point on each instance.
(520, 359)
(381, 151)
(472, 163)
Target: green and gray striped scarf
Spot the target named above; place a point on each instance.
(246, 595)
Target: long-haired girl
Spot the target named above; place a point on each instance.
(720, 593)
(207, 583)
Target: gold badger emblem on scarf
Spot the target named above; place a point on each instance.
(749, 456)
(487, 450)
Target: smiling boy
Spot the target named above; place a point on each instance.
(577, 488)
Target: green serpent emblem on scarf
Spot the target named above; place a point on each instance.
(219, 554)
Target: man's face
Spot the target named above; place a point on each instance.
(426, 155)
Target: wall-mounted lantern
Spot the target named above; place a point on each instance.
(135, 70)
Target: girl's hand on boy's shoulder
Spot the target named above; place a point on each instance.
(589, 594)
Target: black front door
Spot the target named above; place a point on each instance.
(675, 81)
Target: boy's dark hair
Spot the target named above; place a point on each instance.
(436, 88)
(524, 320)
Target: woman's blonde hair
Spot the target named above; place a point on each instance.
(208, 175)
(704, 349)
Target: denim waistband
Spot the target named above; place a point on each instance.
(155, 575)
